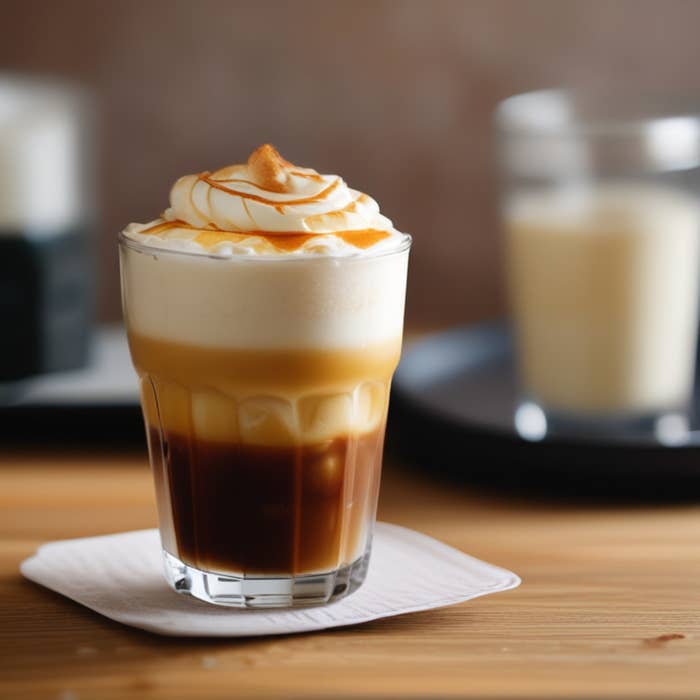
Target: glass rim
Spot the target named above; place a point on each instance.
(561, 132)
(129, 243)
(510, 111)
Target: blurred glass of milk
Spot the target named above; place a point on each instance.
(46, 208)
(601, 213)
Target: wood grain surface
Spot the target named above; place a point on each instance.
(609, 606)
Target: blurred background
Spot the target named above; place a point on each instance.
(395, 96)
(398, 98)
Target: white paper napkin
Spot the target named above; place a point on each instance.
(120, 576)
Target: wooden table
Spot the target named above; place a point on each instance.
(610, 602)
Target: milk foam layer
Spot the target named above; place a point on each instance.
(258, 208)
(264, 302)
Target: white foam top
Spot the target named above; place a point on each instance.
(176, 236)
(306, 302)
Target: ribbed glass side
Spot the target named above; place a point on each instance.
(265, 485)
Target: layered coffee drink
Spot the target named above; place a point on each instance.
(265, 310)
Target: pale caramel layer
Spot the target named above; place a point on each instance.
(263, 397)
(262, 369)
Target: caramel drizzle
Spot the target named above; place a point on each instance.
(287, 241)
(363, 239)
(309, 176)
(216, 184)
(163, 226)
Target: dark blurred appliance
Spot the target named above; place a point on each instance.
(46, 208)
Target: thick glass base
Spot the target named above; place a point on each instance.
(265, 591)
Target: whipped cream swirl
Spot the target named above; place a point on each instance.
(254, 205)
(270, 194)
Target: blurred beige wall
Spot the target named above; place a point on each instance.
(395, 96)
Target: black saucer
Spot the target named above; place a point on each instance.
(453, 402)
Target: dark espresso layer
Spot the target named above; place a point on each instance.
(250, 509)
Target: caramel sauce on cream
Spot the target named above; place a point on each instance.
(268, 171)
(221, 185)
(287, 241)
(278, 203)
(362, 239)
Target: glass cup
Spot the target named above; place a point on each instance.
(602, 222)
(264, 388)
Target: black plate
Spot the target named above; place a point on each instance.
(96, 405)
(453, 402)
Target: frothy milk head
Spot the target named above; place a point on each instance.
(277, 256)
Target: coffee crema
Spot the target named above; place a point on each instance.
(266, 397)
